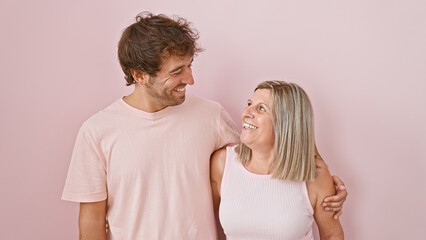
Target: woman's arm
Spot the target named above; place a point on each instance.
(329, 228)
(217, 166)
(334, 203)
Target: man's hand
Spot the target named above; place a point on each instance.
(335, 203)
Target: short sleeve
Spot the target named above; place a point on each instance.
(228, 133)
(86, 180)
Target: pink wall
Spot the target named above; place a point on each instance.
(362, 62)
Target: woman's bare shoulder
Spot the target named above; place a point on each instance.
(217, 163)
(323, 184)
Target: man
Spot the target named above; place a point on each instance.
(143, 162)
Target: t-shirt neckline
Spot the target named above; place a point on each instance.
(147, 115)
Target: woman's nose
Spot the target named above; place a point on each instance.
(248, 112)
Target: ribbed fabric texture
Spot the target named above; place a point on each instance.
(258, 207)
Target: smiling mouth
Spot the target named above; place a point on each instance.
(249, 126)
(180, 89)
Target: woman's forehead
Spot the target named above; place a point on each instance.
(262, 95)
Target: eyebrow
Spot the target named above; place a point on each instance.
(266, 105)
(180, 67)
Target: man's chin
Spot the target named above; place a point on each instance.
(181, 99)
(178, 101)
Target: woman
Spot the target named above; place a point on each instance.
(272, 185)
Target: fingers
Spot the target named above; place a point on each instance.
(340, 185)
(335, 198)
(340, 188)
(342, 194)
(333, 204)
(337, 215)
(333, 209)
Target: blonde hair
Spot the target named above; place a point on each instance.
(293, 120)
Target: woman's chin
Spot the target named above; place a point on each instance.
(246, 141)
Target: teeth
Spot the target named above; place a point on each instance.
(180, 89)
(246, 125)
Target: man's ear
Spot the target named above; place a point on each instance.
(140, 77)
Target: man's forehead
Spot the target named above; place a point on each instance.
(175, 61)
(175, 58)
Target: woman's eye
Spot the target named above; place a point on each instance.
(262, 109)
(248, 104)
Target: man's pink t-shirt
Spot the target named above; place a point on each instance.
(153, 168)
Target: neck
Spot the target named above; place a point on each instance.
(141, 100)
(261, 161)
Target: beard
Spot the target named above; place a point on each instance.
(162, 94)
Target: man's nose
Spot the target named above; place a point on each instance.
(188, 78)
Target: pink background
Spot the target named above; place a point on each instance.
(363, 63)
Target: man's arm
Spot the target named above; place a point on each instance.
(92, 221)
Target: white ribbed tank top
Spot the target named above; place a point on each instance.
(256, 206)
